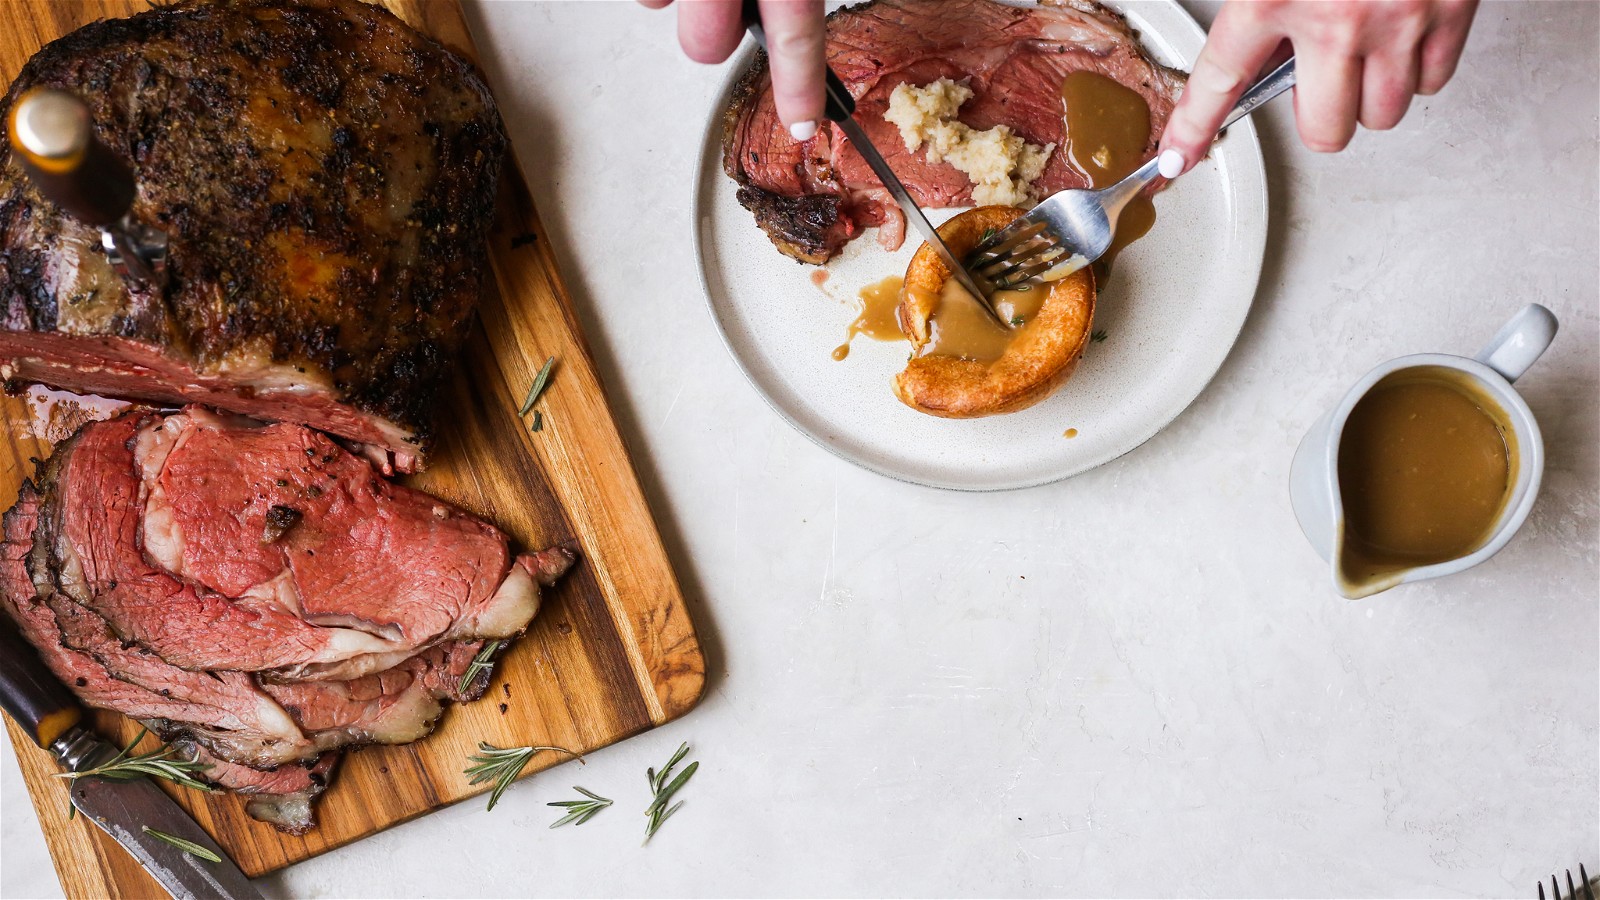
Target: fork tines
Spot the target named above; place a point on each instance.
(1572, 891)
(1015, 253)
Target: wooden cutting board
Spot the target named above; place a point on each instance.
(612, 652)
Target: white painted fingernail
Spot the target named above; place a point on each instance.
(803, 131)
(1170, 165)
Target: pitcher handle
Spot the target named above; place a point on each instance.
(1520, 342)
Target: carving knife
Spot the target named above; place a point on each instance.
(51, 134)
(123, 809)
(841, 109)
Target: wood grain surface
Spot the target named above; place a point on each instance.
(612, 652)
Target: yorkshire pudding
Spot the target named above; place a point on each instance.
(1040, 356)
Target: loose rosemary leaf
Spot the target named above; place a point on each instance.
(539, 381)
(484, 660)
(189, 847)
(502, 765)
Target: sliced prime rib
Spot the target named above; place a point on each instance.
(160, 524)
(232, 714)
(812, 197)
(327, 177)
(283, 797)
(223, 653)
(227, 715)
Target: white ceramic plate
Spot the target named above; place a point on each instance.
(1171, 311)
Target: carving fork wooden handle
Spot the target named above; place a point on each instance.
(52, 135)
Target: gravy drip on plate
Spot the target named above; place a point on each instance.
(877, 318)
(1425, 466)
(1108, 129)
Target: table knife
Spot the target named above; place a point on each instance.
(840, 109)
(126, 810)
(51, 134)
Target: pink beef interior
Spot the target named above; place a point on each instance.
(1013, 58)
(145, 572)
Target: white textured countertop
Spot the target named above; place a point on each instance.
(1135, 682)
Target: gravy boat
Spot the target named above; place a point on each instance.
(1314, 475)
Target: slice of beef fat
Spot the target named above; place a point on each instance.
(813, 197)
(327, 177)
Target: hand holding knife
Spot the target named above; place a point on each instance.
(840, 109)
(127, 810)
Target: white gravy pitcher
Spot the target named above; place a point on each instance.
(1314, 475)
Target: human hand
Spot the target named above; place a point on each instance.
(710, 30)
(1355, 60)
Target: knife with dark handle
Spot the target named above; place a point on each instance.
(129, 811)
(840, 108)
(53, 138)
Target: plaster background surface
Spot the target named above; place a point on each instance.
(1136, 682)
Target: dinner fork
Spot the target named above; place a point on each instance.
(1071, 229)
(1572, 892)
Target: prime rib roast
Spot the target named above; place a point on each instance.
(813, 197)
(326, 176)
(257, 594)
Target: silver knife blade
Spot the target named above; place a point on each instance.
(880, 167)
(124, 809)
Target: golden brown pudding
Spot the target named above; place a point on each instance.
(964, 366)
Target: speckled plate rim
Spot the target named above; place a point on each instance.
(1249, 164)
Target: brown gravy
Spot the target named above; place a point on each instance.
(1108, 131)
(1426, 462)
(878, 316)
(960, 328)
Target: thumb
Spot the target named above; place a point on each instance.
(795, 32)
(1238, 47)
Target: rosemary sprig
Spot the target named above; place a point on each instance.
(502, 765)
(1017, 320)
(1097, 336)
(484, 660)
(987, 233)
(580, 811)
(155, 764)
(658, 811)
(189, 847)
(539, 381)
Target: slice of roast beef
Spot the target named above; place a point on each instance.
(171, 528)
(327, 178)
(230, 713)
(395, 706)
(232, 719)
(251, 682)
(324, 531)
(284, 797)
(89, 534)
(812, 197)
(226, 711)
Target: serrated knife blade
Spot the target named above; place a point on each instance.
(126, 809)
